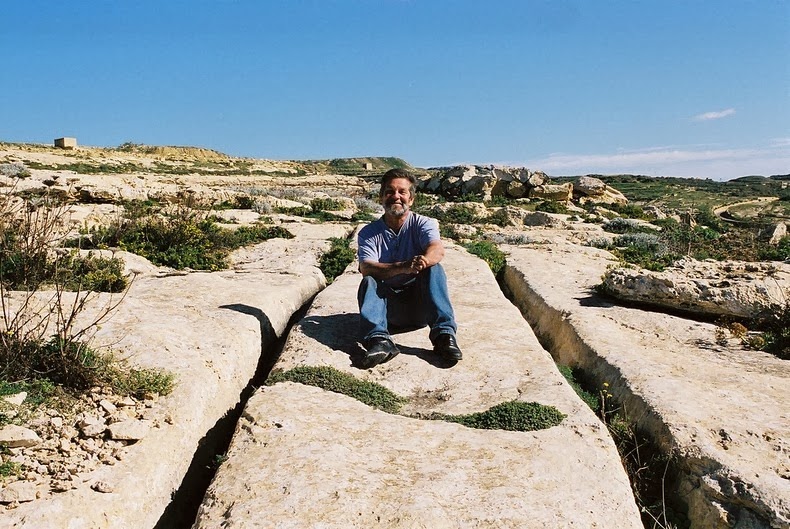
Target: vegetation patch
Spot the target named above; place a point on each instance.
(775, 326)
(591, 399)
(334, 261)
(488, 252)
(513, 416)
(552, 206)
(334, 380)
(180, 238)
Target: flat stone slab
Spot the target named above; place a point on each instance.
(724, 410)
(210, 330)
(305, 457)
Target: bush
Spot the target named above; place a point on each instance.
(336, 259)
(180, 238)
(775, 324)
(552, 206)
(621, 225)
(488, 252)
(326, 204)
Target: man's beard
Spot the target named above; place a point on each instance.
(392, 209)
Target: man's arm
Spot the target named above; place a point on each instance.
(433, 254)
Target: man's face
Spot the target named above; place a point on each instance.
(396, 197)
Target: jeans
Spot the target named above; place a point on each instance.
(384, 310)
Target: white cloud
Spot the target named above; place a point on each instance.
(695, 161)
(707, 116)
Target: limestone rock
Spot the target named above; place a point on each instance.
(778, 233)
(129, 430)
(510, 216)
(721, 410)
(541, 218)
(16, 399)
(557, 192)
(14, 436)
(353, 466)
(729, 288)
(593, 190)
(484, 181)
(18, 491)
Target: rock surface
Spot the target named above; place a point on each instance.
(720, 288)
(720, 409)
(212, 341)
(310, 458)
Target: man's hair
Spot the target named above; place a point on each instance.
(392, 174)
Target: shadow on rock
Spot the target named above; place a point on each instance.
(339, 332)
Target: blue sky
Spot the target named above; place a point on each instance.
(661, 87)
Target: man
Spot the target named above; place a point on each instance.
(403, 285)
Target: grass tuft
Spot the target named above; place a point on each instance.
(335, 260)
(334, 380)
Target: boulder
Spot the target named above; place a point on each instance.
(557, 192)
(777, 233)
(484, 181)
(728, 288)
(593, 190)
(14, 436)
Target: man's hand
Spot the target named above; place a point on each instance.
(418, 264)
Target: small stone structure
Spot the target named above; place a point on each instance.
(367, 166)
(66, 143)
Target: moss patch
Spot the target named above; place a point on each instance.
(331, 379)
(512, 415)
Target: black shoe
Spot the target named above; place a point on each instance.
(447, 347)
(380, 350)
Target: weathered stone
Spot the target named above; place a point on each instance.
(19, 491)
(654, 212)
(107, 406)
(719, 410)
(129, 430)
(541, 218)
(14, 436)
(557, 192)
(421, 473)
(16, 399)
(593, 190)
(509, 216)
(778, 233)
(516, 189)
(103, 487)
(726, 288)
(92, 426)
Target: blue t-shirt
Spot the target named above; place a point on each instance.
(378, 243)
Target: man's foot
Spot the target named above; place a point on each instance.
(447, 347)
(380, 350)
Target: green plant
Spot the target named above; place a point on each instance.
(10, 468)
(552, 206)
(621, 225)
(181, 237)
(326, 204)
(513, 415)
(488, 251)
(334, 261)
(589, 398)
(775, 326)
(334, 380)
(141, 383)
